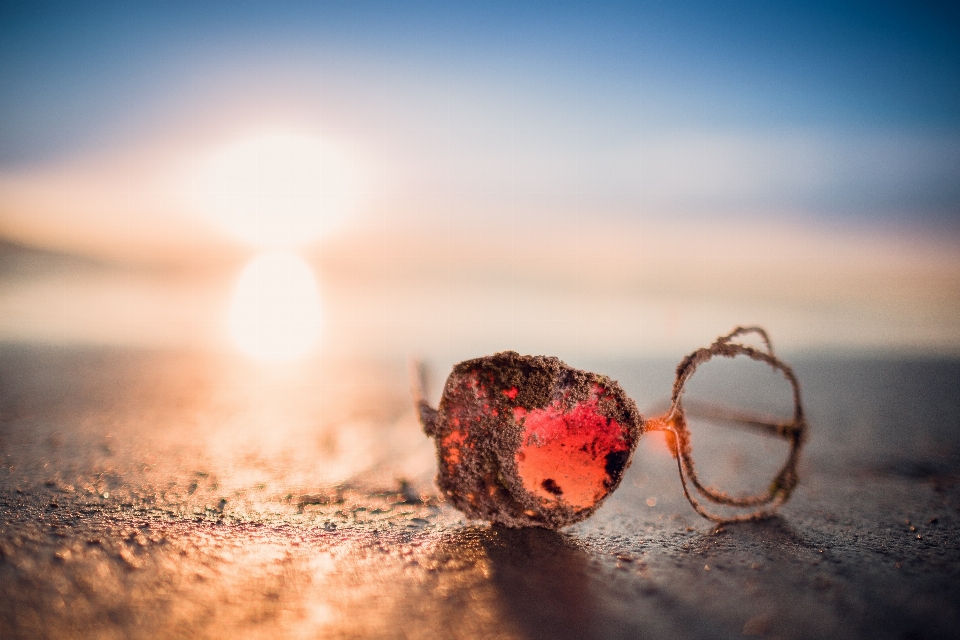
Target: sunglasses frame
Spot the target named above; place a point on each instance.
(673, 423)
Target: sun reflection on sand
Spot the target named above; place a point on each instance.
(275, 313)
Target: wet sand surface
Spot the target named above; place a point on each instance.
(179, 495)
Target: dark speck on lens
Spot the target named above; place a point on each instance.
(552, 487)
(616, 461)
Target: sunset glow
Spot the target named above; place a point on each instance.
(274, 189)
(275, 313)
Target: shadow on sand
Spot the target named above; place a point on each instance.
(543, 582)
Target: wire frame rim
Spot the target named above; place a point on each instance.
(785, 480)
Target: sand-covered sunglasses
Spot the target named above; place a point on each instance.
(530, 441)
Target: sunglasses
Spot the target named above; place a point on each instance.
(530, 441)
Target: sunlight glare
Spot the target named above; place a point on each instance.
(274, 189)
(275, 314)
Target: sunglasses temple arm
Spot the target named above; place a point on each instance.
(418, 386)
(765, 425)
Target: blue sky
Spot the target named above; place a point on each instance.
(836, 109)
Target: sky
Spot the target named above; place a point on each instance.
(831, 109)
(837, 124)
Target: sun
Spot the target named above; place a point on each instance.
(275, 312)
(274, 189)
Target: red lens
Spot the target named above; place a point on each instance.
(528, 440)
(571, 454)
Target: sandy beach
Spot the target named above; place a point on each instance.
(158, 494)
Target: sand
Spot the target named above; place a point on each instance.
(148, 494)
